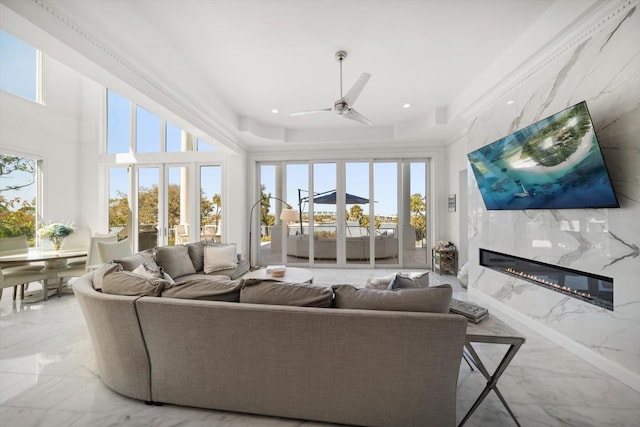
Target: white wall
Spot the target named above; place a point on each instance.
(50, 132)
(601, 66)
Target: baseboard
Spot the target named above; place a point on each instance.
(507, 314)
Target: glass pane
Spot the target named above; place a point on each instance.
(324, 214)
(18, 67)
(118, 123)
(18, 197)
(211, 203)
(147, 131)
(267, 214)
(178, 214)
(385, 190)
(415, 237)
(119, 213)
(174, 138)
(148, 179)
(204, 146)
(298, 190)
(357, 241)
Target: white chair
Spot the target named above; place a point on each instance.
(91, 262)
(18, 245)
(20, 277)
(78, 241)
(209, 232)
(109, 251)
(182, 234)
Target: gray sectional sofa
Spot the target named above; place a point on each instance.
(287, 350)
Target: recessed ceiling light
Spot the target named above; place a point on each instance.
(405, 106)
(511, 102)
(275, 111)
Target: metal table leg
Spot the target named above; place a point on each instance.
(492, 380)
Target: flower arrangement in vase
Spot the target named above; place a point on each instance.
(55, 232)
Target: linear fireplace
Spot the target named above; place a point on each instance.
(587, 287)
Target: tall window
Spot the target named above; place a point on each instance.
(118, 123)
(210, 202)
(19, 70)
(120, 216)
(18, 197)
(148, 129)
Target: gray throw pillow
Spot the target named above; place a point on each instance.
(130, 284)
(175, 260)
(380, 282)
(196, 253)
(206, 289)
(256, 291)
(431, 300)
(153, 272)
(409, 281)
(98, 275)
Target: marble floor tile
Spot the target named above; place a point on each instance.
(48, 376)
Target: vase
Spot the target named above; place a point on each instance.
(57, 243)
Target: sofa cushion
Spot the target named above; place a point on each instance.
(130, 262)
(218, 258)
(98, 275)
(380, 282)
(409, 281)
(131, 284)
(206, 289)
(431, 300)
(151, 272)
(196, 253)
(256, 291)
(201, 276)
(175, 260)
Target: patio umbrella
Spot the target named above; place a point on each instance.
(330, 199)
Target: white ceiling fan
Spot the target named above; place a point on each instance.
(343, 105)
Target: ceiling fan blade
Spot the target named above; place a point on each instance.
(354, 115)
(355, 90)
(302, 113)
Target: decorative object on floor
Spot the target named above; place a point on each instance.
(56, 232)
(474, 313)
(343, 105)
(444, 258)
(286, 215)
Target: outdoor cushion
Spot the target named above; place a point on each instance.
(258, 291)
(431, 300)
(175, 260)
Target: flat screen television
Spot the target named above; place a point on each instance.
(555, 163)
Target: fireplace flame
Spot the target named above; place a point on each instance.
(546, 282)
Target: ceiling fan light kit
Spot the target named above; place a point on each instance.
(344, 105)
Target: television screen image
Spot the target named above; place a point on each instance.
(555, 163)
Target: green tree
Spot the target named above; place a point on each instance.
(418, 219)
(17, 216)
(355, 213)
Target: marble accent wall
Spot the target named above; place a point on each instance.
(601, 66)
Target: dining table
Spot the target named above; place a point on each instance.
(52, 261)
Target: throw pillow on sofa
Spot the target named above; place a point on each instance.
(380, 282)
(431, 300)
(409, 281)
(217, 258)
(150, 272)
(130, 262)
(175, 260)
(98, 275)
(206, 289)
(130, 284)
(256, 291)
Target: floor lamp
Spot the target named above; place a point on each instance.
(286, 215)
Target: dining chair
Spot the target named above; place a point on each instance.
(20, 277)
(90, 263)
(18, 245)
(78, 241)
(109, 251)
